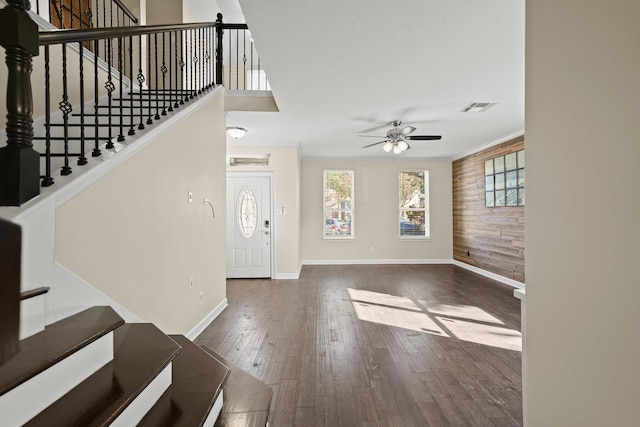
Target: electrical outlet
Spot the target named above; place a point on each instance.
(190, 197)
(190, 282)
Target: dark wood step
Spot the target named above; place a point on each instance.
(142, 351)
(58, 340)
(246, 400)
(32, 293)
(198, 379)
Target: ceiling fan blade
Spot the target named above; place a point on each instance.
(424, 137)
(372, 136)
(407, 130)
(374, 128)
(375, 143)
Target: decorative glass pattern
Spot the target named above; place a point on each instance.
(504, 180)
(247, 211)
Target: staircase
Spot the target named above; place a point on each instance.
(92, 369)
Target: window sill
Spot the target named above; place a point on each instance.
(414, 238)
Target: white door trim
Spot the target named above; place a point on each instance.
(272, 239)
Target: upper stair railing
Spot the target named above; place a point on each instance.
(85, 13)
(97, 87)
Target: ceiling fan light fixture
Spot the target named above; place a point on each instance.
(403, 145)
(397, 149)
(236, 132)
(388, 146)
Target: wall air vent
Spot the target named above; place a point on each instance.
(478, 107)
(258, 160)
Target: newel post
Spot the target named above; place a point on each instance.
(219, 34)
(19, 162)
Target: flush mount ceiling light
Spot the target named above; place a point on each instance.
(236, 132)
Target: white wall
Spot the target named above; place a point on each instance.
(285, 163)
(376, 213)
(134, 236)
(583, 290)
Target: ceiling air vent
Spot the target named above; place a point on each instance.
(261, 160)
(478, 107)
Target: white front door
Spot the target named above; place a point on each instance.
(249, 226)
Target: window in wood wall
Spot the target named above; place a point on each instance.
(504, 180)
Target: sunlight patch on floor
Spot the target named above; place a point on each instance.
(465, 322)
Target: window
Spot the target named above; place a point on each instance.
(338, 203)
(414, 203)
(504, 180)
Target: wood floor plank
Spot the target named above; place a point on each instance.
(369, 345)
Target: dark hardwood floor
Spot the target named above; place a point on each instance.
(377, 345)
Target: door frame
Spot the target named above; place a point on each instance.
(272, 239)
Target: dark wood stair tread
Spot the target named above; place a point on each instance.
(142, 351)
(58, 340)
(246, 400)
(198, 379)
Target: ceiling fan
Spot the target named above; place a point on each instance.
(397, 138)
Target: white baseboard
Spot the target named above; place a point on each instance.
(201, 326)
(374, 261)
(289, 276)
(490, 275)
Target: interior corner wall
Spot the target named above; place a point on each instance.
(488, 238)
(284, 162)
(134, 236)
(582, 231)
(376, 209)
(164, 12)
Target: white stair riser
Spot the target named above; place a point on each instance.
(33, 396)
(215, 412)
(32, 316)
(145, 400)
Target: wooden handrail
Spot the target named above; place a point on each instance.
(126, 11)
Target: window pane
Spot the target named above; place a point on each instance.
(338, 203)
(490, 202)
(499, 181)
(510, 161)
(512, 197)
(500, 198)
(521, 159)
(247, 210)
(488, 183)
(512, 179)
(498, 163)
(520, 196)
(412, 194)
(521, 178)
(412, 223)
(488, 167)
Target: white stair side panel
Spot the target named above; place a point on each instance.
(134, 413)
(19, 405)
(215, 412)
(72, 294)
(32, 316)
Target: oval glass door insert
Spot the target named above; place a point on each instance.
(247, 211)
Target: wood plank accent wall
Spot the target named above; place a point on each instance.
(488, 238)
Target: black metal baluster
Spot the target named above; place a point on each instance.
(251, 68)
(71, 18)
(141, 80)
(175, 46)
(219, 47)
(65, 107)
(210, 56)
(132, 130)
(193, 61)
(183, 84)
(229, 82)
(265, 80)
(149, 120)
(60, 14)
(47, 180)
(157, 116)
(110, 88)
(201, 44)
(170, 76)
(121, 84)
(96, 149)
(244, 59)
(163, 68)
(82, 160)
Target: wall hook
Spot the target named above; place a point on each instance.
(213, 211)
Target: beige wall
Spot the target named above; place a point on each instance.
(582, 231)
(285, 164)
(135, 237)
(376, 212)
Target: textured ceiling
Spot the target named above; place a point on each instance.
(340, 68)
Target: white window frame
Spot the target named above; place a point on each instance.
(325, 210)
(427, 201)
